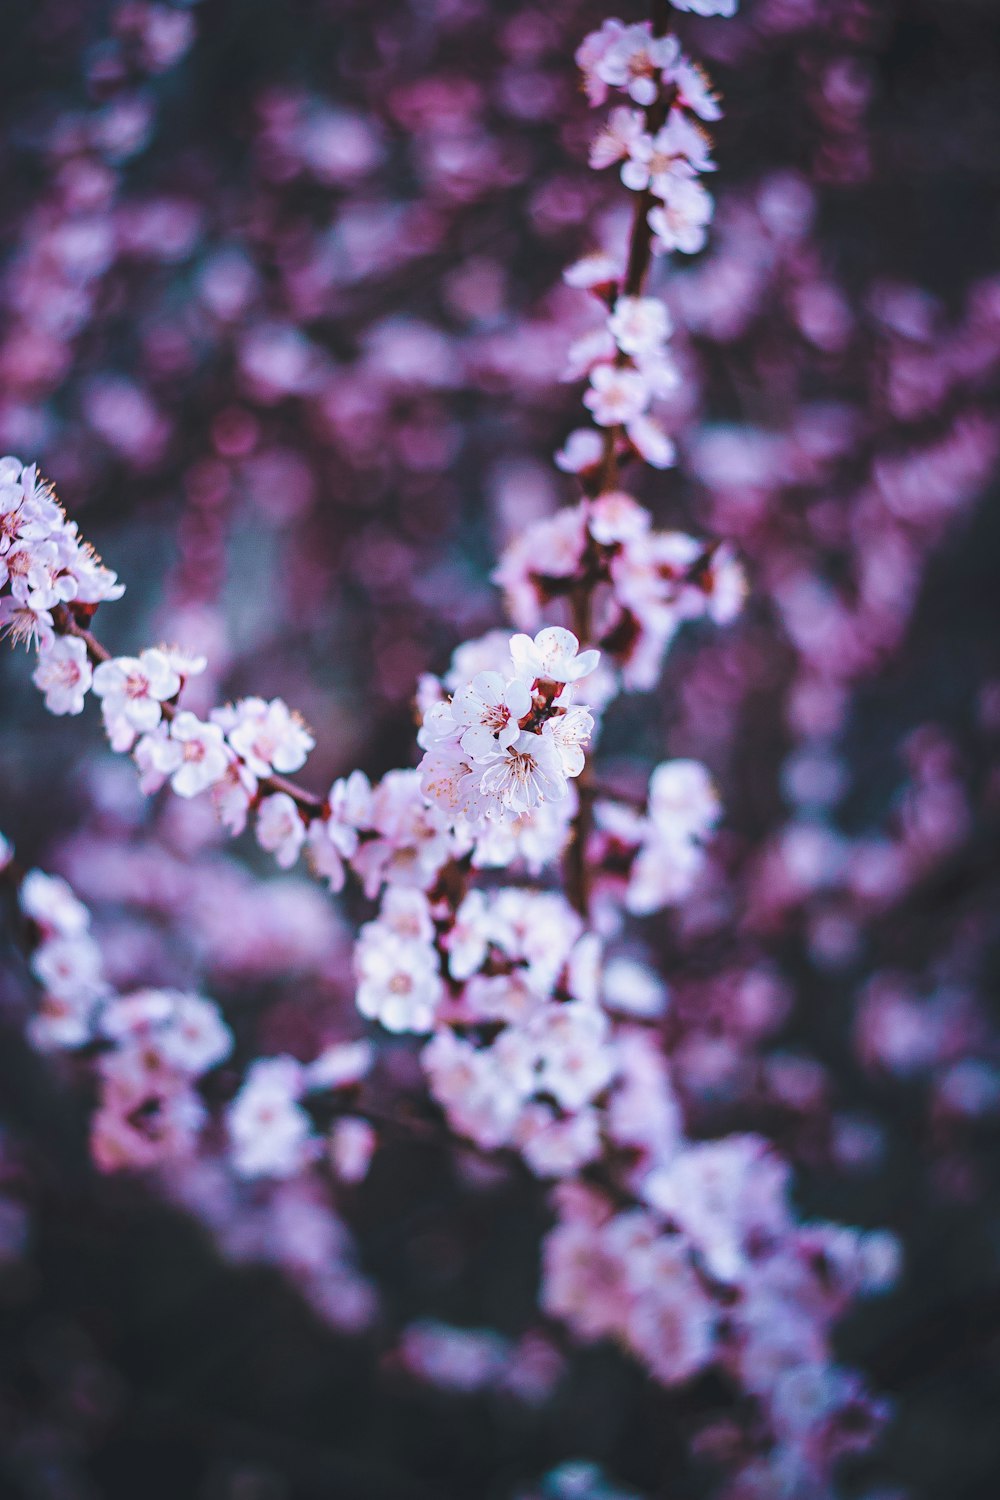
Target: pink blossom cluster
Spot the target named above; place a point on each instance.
(644, 584)
(714, 1270)
(545, 1033)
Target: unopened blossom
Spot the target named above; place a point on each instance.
(280, 829)
(351, 1147)
(267, 736)
(595, 272)
(64, 675)
(616, 395)
(582, 450)
(680, 222)
(133, 690)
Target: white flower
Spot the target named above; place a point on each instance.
(196, 1037)
(576, 1061)
(569, 732)
(70, 969)
(707, 7)
(481, 1100)
(280, 829)
(694, 90)
(594, 272)
(640, 325)
(232, 795)
(528, 772)
(491, 708)
(64, 675)
(582, 450)
(52, 906)
(268, 736)
(552, 656)
(651, 443)
(340, 1066)
(334, 839)
(467, 940)
(616, 395)
(26, 623)
(677, 151)
(679, 223)
(194, 756)
(398, 980)
(270, 1133)
(613, 143)
(554, 1146)
(351, 1147)
(635, 60)
(591, 349)
(133, 688)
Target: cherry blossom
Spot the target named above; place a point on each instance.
(64, 675)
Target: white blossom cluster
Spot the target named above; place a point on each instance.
(44, 565)
(663, 849)
(152, 1046)
(272, 1134)
(507, 741)
(658, 141)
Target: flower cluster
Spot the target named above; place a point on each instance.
(44, 565)
(715, 1271)
(538, 1018)
(663, 151)
(645, 584)
(507, 741)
